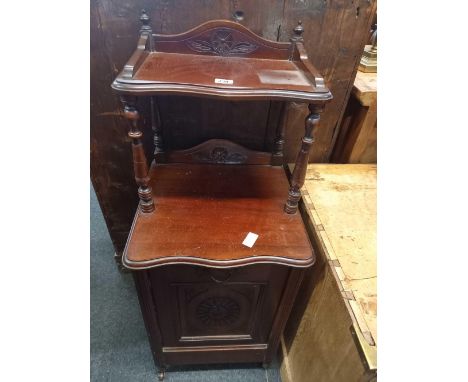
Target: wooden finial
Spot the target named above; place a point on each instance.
(145, 20)
(298, 31)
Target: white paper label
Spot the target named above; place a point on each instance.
(223, 81)
(250, 239)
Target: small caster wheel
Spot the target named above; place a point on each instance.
(161, 374)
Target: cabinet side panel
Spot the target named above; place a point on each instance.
(323, 348)
(148, 310)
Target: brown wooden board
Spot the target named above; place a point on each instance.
(324, 346)
(253, 303)
(357, 141)
(342, 200)
(204, 212)
(332, 334)
(335, 34)
(221, 59)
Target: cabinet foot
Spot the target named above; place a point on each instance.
(161, 374)
(266, 365)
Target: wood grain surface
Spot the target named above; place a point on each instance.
(343, 202)
(365, 88)
(204, 212)
(334, 36)
(357, 140)
(332, 334)
(203, 315)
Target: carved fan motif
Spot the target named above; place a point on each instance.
(221, 155)
(222, 43)
(218, 311)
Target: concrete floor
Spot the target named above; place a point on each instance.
(119, 346)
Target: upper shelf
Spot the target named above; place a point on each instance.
(221, 58)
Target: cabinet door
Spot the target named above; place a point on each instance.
(204, 306)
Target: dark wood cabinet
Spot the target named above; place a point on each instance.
(198, 311)
(206, 315)
(205, 296)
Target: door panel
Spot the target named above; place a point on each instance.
(226, 311)
(203, 306)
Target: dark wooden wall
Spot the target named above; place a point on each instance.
(335, 34)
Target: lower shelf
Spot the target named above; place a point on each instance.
(204, 212)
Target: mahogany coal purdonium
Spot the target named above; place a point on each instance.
(206, 297)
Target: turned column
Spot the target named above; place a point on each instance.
(140, 166)
(299, 172)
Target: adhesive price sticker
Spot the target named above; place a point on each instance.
(250, 239)
(223, 81)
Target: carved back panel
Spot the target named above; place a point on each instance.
(216, 151)
(221, 38)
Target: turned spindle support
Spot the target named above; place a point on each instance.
(140, 166)
(299, 172)
(278, 145)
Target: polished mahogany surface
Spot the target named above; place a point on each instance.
(252, 73)
(203, 212)
(205, 296)
(221, 59)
